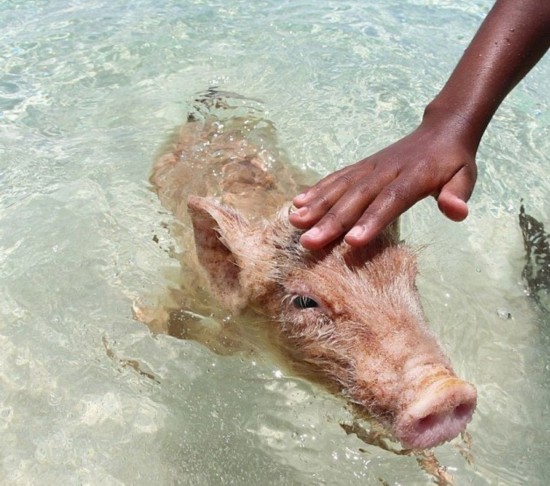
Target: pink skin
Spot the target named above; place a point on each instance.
(438, 158)
(442, 412)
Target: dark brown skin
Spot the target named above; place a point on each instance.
(438, 157)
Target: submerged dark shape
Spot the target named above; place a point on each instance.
(536, 271)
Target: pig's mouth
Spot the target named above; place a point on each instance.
(440, 413)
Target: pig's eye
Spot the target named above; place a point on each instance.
(304, 302)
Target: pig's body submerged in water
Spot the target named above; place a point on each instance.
(354, 314)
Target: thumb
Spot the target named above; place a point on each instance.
(453, 196)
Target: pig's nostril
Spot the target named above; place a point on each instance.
(437, 417)
(432, 421)
(462, 411)
(426, 423)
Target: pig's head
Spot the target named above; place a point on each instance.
(354, 314)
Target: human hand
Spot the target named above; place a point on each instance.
(438, 158)
(362, 199)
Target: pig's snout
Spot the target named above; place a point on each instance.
(439, 414)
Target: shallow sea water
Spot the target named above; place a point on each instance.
(88, 93)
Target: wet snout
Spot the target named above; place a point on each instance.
(439, 414)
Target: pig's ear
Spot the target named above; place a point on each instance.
(226, 244)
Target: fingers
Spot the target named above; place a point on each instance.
(337, 221)
(351, 211)
(318, 201)
(321, 188)
(361, 200)
(390, 203)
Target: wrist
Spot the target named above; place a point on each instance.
(454, 122)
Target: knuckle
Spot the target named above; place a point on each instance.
(323, 203)
(335, 222)
(345, 179)
(394, 194)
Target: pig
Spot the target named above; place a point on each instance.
(352, 315)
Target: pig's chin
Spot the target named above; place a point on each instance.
(438, 415)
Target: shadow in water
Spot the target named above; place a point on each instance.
(536, 271)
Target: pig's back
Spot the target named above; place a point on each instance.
(227, 150)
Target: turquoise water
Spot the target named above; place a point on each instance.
(88, 93)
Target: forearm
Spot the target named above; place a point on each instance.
(511, 40)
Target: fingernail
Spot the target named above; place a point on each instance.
(300, 212)
(312, 233)
(356, 232)
(300, 198)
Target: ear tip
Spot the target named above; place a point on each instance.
(193, 201)
(210, 206)
(197, 203)
(198, 206)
